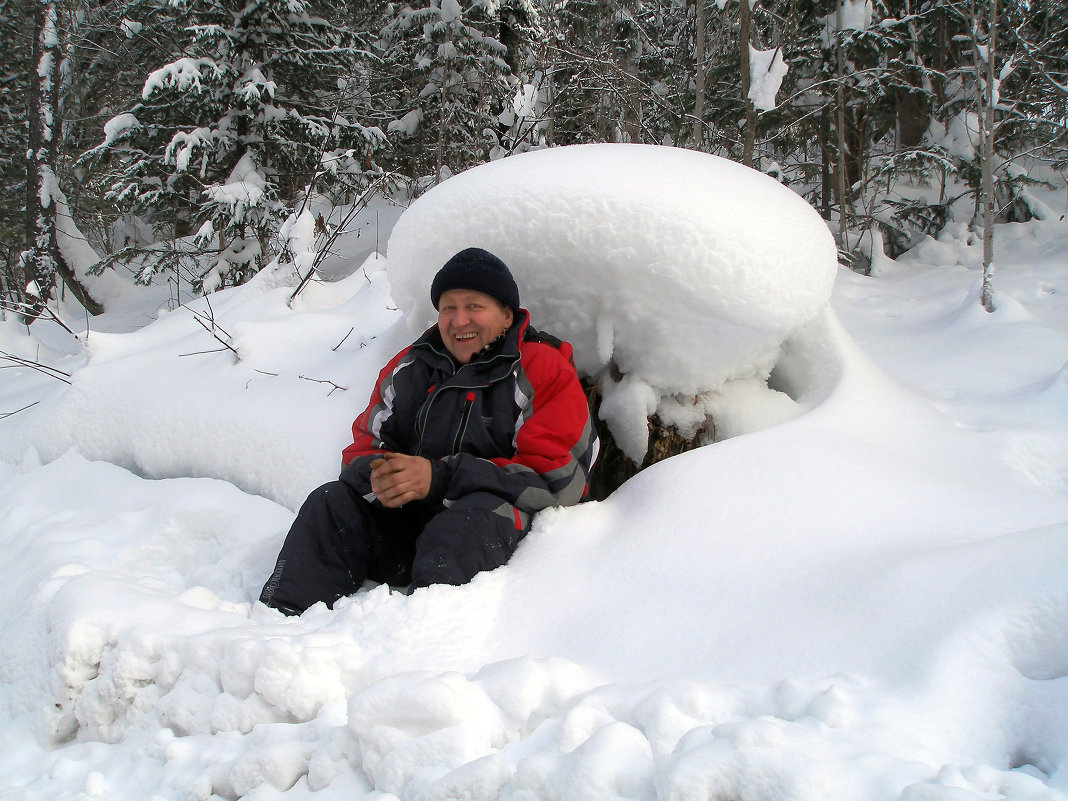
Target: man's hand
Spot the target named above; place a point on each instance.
(397, 479)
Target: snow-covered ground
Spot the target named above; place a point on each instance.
(858, 594)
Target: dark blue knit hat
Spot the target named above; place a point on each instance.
(480, 270)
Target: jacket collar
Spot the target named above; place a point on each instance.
(504, 349)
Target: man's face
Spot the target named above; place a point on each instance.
(470, 320)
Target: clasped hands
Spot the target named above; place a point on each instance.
(397, 479)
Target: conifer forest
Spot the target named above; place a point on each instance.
(179, 136)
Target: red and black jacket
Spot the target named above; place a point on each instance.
(513, 422)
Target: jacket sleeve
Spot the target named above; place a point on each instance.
(555, 442)
(372, 433)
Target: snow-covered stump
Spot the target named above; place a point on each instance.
(614, 466)
(677, 276)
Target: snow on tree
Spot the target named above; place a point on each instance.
(766, 71)
(733, 263)
(453, 75)
(15, 72)
(229, 134)
(524, 119)
(43, 262)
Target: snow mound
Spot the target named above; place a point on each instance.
(679, 269)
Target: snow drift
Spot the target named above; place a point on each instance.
(677, 269)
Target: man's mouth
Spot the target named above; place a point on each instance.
(462, 337)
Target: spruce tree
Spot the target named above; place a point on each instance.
(226, 136)
(450, 82)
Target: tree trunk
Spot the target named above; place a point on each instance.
(913, 107)
(612, 467)
(603, 38)
(550, 103)
(826, 172)
(987, 296)
(439, 150)
(749, 133)
(699, 76)
(843, 195)
(42, 260)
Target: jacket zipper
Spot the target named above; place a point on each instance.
(469, 401)
(421, 417)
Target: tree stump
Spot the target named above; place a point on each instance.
(613, 467)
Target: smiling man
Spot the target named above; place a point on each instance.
(474, 427)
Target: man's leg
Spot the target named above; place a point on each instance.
(478, 532)
(326, 554)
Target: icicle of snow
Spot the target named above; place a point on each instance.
(606, 339)
(184, 144)
(872, 245)
(49, 188)
(213, 279)
(626, 407)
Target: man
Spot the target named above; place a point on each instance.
(473, 428)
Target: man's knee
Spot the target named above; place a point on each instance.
(325, 554)
(478, 532)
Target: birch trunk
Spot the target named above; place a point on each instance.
(987, 295)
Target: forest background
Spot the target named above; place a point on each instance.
(183, 138)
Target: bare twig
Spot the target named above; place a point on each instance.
(209, 317)
(218, 338)
(18, 361)
(45, 312)
(350, 215)
(202, 352)
(208, 323)
(342, 342)
(325, 381)
(5, 415)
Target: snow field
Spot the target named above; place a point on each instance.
(262, 405)
(858, 595)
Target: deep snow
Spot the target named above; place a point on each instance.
(858, 594)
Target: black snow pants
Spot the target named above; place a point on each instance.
(339, 540)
